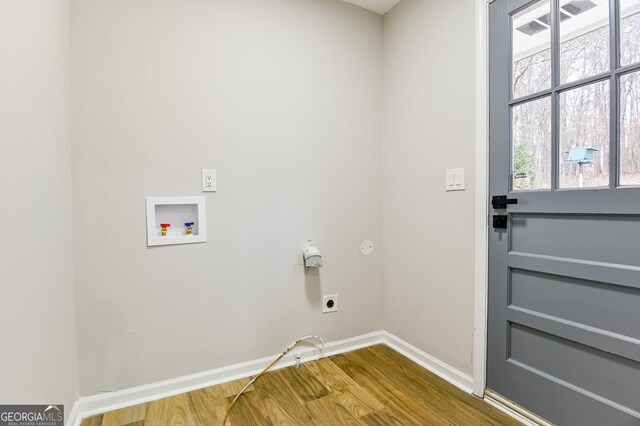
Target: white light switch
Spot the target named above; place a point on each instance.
(455, 179)
(209, 180)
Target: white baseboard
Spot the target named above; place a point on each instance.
(442, 369)
(96, 404)
(74, 416)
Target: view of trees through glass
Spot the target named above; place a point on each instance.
(584, 112)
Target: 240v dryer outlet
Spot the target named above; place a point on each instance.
(329, 303)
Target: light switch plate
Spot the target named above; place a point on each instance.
(209, 180)
(455, 179)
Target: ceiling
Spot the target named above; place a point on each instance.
(378, 6)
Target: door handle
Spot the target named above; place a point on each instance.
(501, 201)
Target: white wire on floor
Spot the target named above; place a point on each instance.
(286, 351)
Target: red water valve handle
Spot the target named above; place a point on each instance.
(165, 225)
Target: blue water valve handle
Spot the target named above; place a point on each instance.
(189, 224)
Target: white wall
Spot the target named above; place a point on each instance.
(428, 261)
(38, 356)
(284, 99)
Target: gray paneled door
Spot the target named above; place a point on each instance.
(564, 275)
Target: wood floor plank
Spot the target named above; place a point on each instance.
(390, 356)
(304, 383)
(209, 407)
(370, 386)
(92, 421)
(328, 411)
(452, 399)
(447, 407)
(444, 407)
(358, 405)
(125, 416)
(176, 411)
(279, 416)
(278, 398)
(329, 374)
(248, 411)
(353, 396)
(225, 390)
(382, 417)
(407, 408)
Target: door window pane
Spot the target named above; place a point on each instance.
(584, 39)
(584, 136)
(531, 145)
(630, 129)
(531, 52)
(629, 32)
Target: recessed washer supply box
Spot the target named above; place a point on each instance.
(177, 213)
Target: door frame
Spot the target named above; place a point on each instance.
(481, 284)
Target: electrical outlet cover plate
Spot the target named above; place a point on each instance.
(325, 301)
(209, 180)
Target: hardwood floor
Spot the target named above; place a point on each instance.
(371, 386)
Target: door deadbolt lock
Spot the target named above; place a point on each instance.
(500, 221)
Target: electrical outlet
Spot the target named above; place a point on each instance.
(209, 180)
(329, 303)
